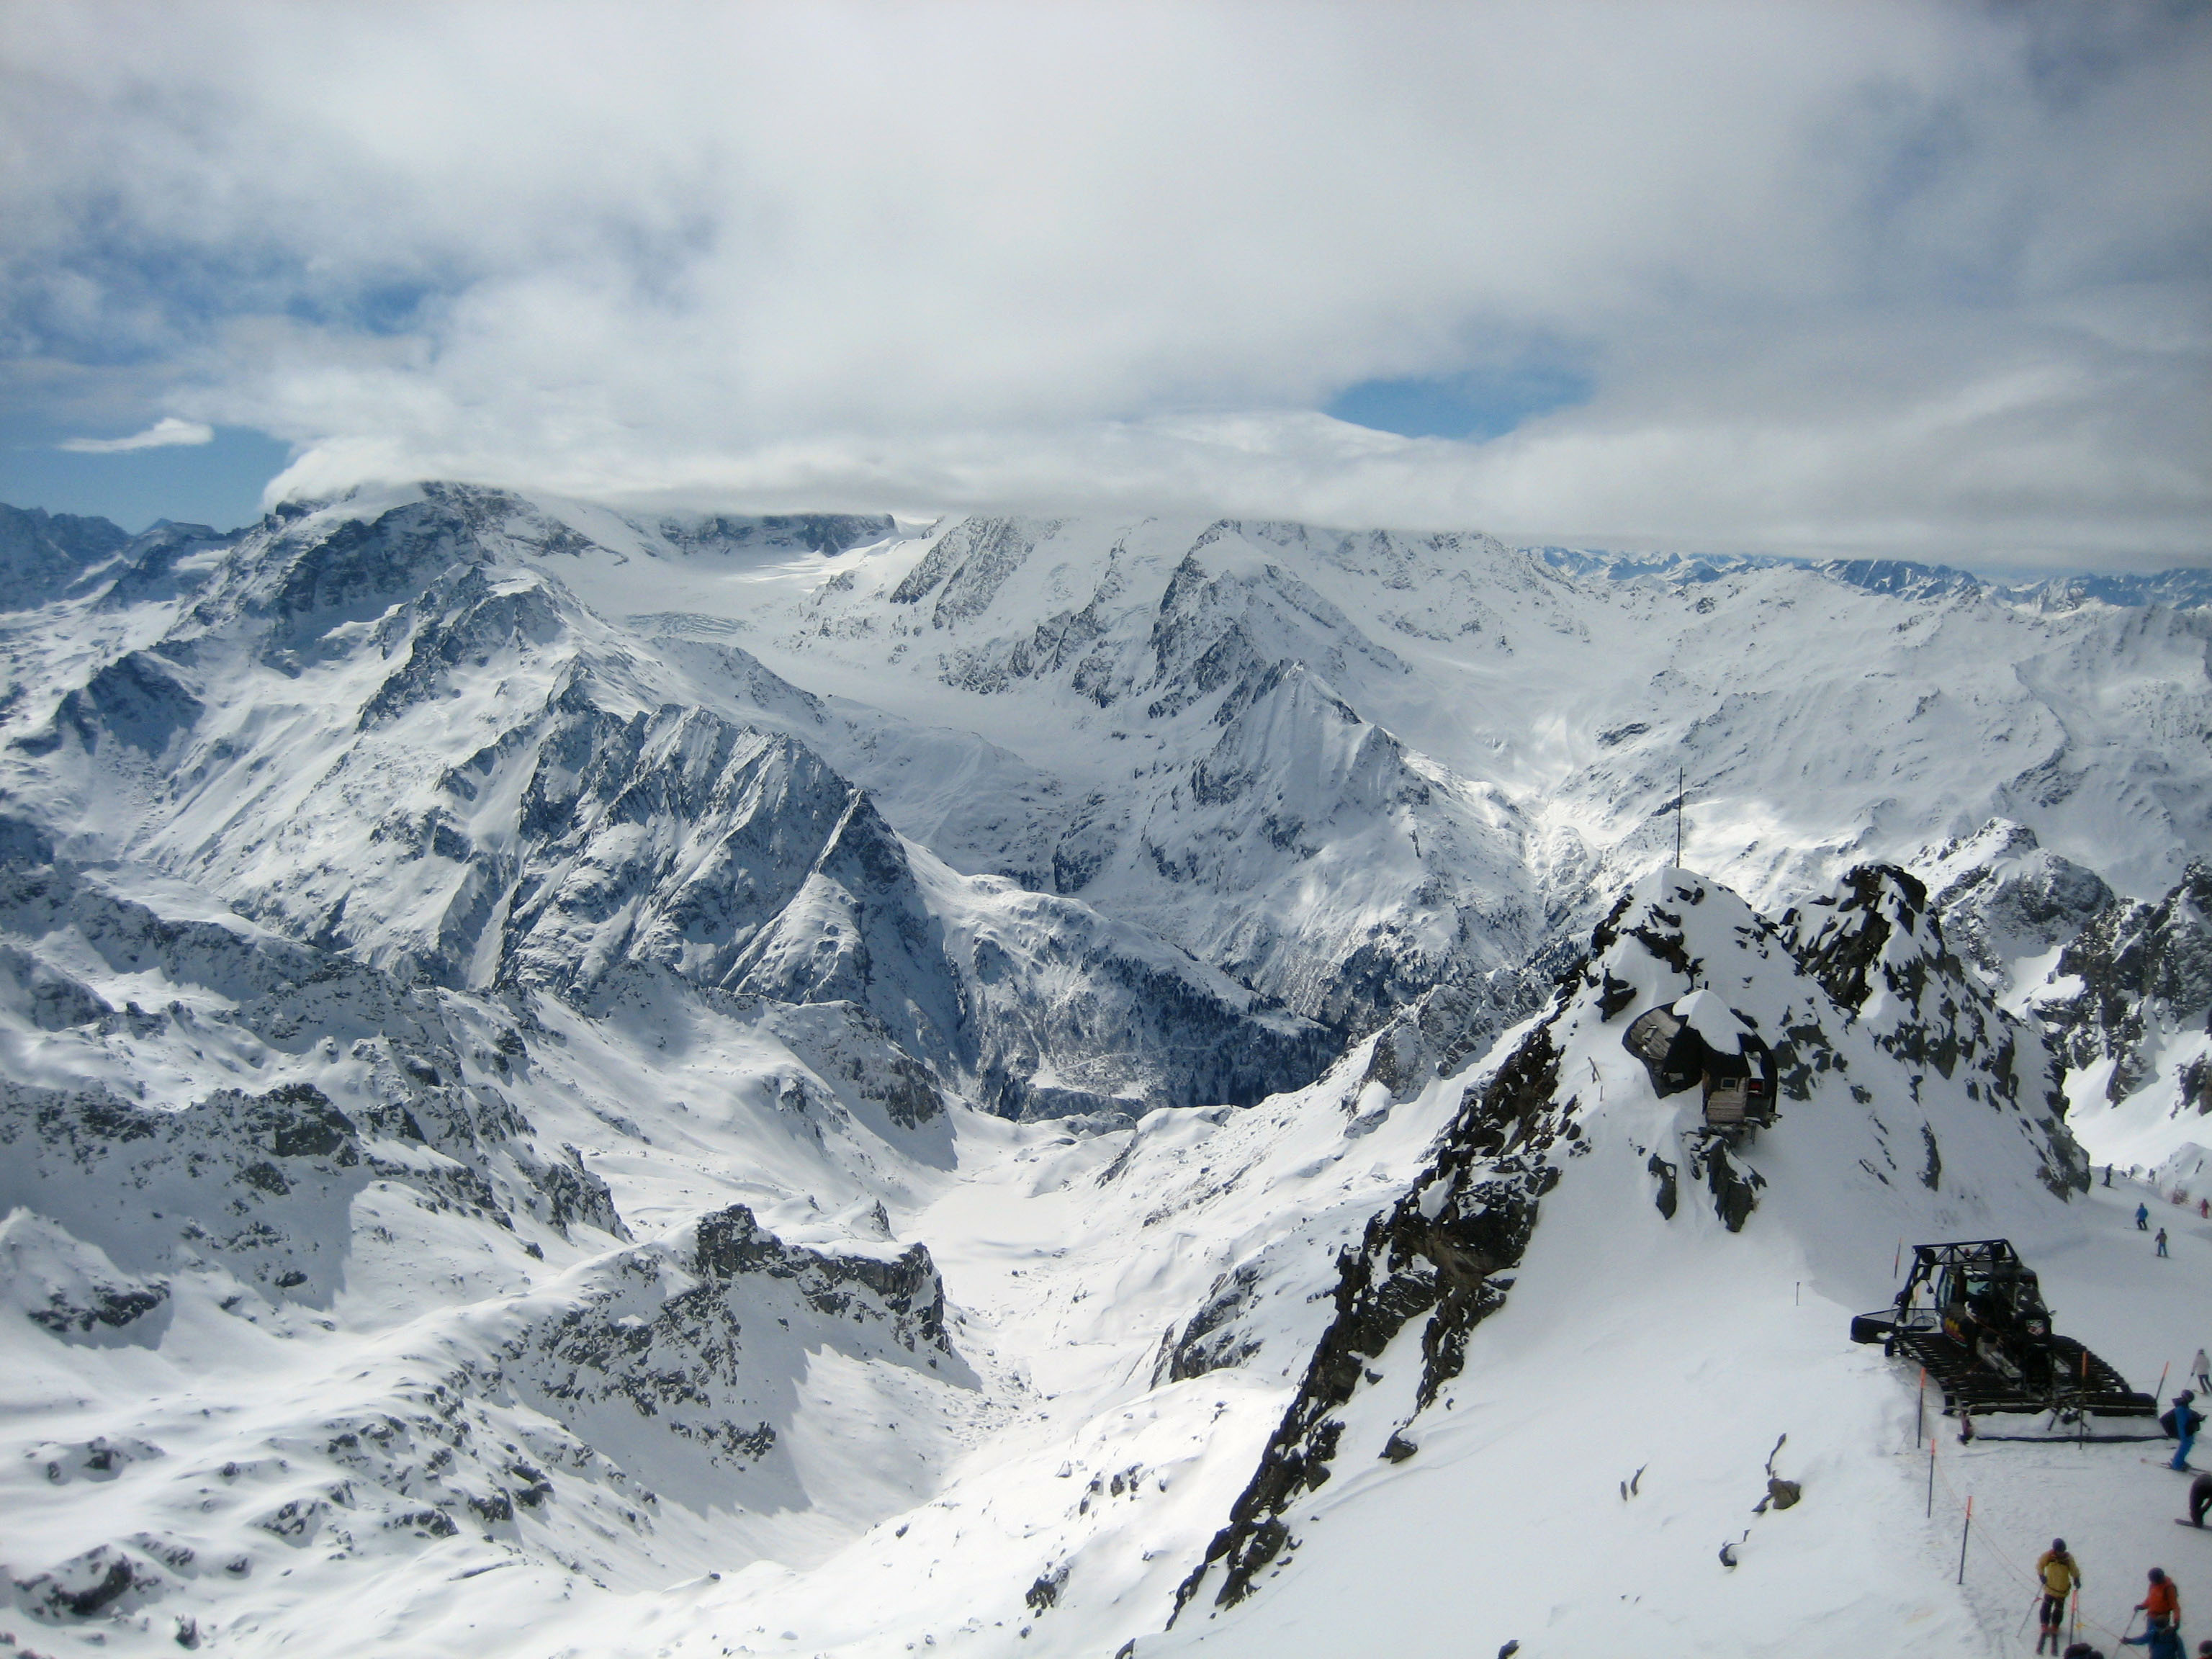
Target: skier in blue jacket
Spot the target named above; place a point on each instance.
(2143, 1218)
(2182, 1423)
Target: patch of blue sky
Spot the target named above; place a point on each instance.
(219, 482)
(108, 303)
(148, 298)
(1478, 403)
(381, 307)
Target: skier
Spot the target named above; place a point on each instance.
(2161, 1606)
(2143, 1218)
(2162, 1241)
(2200, 1498)
(2182, 1423)
(2204, 1209)
(2108, 1175)
(2200, 1371)
(2060, 1575)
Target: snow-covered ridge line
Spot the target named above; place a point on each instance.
(2187, 588)
(548, 1054)
(1893, 1107)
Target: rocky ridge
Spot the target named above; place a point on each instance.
(1886, 1048)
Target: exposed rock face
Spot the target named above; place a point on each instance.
(42, 553)
(2143, 970)
(1882, 1035)
(2002, 896)
(1877, 947)
(104, 1165)
(968, 565)
(103, 1579)
(1451, 1024)
(1127, 1023)
(262, 1184)
(1212, 1338)
(675, 838)
(606, 818)
(699, 1343)
(816, 532)
(71, 1290)
(1445, 1251)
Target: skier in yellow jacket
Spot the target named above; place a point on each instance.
(2061, 1574)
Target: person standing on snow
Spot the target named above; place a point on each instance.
(2200, 1372)
(2161, 1607)
(2143, 1218)
(2060, 1576)
(2162, 1241)
(2182, 1423)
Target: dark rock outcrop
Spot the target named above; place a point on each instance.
(703, 1340)
(1444, 1252)
(2002, 895)
(1877, 948)
(2143, 970)
(42, 554)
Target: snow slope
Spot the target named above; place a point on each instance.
(580, 1085)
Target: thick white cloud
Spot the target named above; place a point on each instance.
(1911, 278)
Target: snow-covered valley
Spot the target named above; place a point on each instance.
(579, 1084)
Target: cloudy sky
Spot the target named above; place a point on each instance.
(1927, 280)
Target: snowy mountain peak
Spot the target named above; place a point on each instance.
(1522, 1196)
(965, 1080)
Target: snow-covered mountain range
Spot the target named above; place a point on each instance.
(576, 1083)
